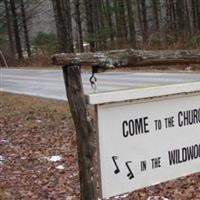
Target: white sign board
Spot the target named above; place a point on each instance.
(146, 143)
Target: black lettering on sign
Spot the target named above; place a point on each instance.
(158, 124)
(156, 162)
(135, 127)
(188, 117)
(143, 165)
(169, 122)
(185, 154)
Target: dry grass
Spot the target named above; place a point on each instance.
(42, 60)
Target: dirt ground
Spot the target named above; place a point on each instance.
(38, 157)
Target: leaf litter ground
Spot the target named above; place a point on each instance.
(38, 157)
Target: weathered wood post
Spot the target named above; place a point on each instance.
(84, 131)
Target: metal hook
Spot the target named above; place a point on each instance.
(93, 79)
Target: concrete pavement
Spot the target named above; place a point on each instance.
(50, 84)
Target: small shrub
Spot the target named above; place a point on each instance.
(45, 42)
(194, 41)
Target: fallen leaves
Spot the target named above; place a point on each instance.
(37, 139)
(38, 156)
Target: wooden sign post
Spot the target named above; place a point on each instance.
(84, 131)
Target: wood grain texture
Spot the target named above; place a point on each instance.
(129, 57)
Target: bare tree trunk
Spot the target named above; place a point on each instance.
(60, 26)
(174, 18)
(188, 23)
(198, 14)
(96, 23)
(131, 21)
(102, 25)
(66, 9)
(109, 19)
(194, 15)
(9, 28)
(16, 30)
(26, 35)
(90, 25)
(123, 19)
(140, 17)
(117, 19)
(62, 14)
(171, 17)
(144, 20)
(120, 21)
(181, 19)
(79, 25)
(156, 4)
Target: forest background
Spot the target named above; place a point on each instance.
(33, 30)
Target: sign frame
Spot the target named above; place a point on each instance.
(173, 92)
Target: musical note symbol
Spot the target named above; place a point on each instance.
(130, 174)
(117, 168)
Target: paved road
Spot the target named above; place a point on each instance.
(49, 83)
